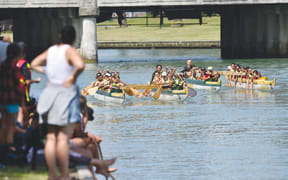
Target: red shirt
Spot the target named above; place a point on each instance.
(10, 90)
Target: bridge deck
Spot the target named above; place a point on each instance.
(125, 3)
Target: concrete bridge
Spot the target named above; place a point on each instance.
(249, 28)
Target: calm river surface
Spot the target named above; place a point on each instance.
(228, 134)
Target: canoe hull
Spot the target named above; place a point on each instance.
(255, 86)
(110, 97)
(259, 84)
(175, 95)
(206, 85)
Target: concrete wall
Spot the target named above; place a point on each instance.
(160, 44)
(254, 31)
(39, 28)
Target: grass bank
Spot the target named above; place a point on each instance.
(24, 173)
(192, 30)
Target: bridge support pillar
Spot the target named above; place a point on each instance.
(259, 31)
(88, 47)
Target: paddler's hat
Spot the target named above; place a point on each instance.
(108, 74)
(210, 68)
(98, 75)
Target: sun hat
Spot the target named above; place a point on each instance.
(108, 74)
(164, 73)
(98, 75)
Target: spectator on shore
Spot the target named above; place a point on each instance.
(25, 80)
(11, 94)
(58, 105)
(3, 47)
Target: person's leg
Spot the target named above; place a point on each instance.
(94, 150)
(81, 142)
(3, 124)
(62, 150)
(50, 152)
(20, 116)
(10, 127)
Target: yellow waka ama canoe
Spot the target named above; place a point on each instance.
(263, 83)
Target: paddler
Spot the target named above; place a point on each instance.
(116, 82)
(158, 69)
(188, 66)
(106, 84)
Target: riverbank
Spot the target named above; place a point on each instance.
(137, 31)
(157, 44)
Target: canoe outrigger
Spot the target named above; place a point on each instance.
(207, 85)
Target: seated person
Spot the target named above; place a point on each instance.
(116, 82)
(188, 66)
(106, 84)
(158, 70)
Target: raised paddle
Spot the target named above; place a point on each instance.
(157, 93)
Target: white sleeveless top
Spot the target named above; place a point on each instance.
(58, 70)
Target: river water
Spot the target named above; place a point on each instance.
(228, 134)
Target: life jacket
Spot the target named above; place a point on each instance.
(20, 64)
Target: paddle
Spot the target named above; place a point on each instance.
(157, 93)
(92, 91)
(191, 92)
(137, 93)
(147, 92)
(84, 91)
(101, 158)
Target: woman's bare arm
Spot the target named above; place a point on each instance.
(76, 60)
(38, 63)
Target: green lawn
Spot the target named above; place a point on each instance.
(24, 173)
(209, 30)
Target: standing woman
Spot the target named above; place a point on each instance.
(11, 94)
(59, 102)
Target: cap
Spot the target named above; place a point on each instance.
(164, 73)
(210, 68)
(229, 67)
(108, 74)
(98, 75)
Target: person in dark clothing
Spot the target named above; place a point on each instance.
(158, 69)
(188, 66)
